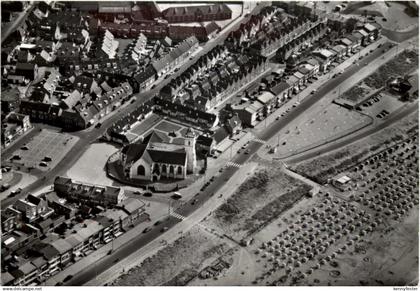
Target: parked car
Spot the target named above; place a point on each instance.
(147, 229)
(148, 194)
(176, 195)
(25, 148)
(164, 229)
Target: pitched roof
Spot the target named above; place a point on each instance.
(131, 205)
(172, 157)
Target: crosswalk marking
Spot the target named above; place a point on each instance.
(260, 140)
(177, 215)
(232, 164)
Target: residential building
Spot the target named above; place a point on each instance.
(88, 193)
(199, 13)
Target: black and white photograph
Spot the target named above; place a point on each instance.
(209, 143)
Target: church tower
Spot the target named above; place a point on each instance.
(190, 139)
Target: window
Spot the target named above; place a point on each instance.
(171, 169)
(179, 170)
(141, 171)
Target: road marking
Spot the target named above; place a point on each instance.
(232, 164)
(177, 215)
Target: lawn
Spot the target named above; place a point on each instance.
(167, 126)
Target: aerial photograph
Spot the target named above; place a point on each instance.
(224, 143)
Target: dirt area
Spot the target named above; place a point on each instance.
(257, 201)
(90, 167)
(330, 123)
(178, 263)
(326, 166)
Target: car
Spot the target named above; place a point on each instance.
(212, 179)
(378, 115)
(191, 58)
(166, 77)
(47, 159)
(147, 229)
(116, 260)
(16, 191)
(25, 148)
(278, 117)
(313, 91)
(109, 252)
(68, 277)
(177, 195)
(43, 164)
(137, 193)
(164, 229)
(16, 157)
(247, 152)
(132, 101)
(176, 70)
(366, 63)
(239, 151)
(153, 86)
(315, 77)
(147, 194)
(386, 111)
(244, 146)
(194, 201)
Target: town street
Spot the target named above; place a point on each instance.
(211, 192)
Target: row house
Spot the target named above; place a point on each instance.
(183, 113)
(175, 56)
(88, 193)
(202, 32)
(199, 13)
(294, 42)
(305, 31)
(151, 29)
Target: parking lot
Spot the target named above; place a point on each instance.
(44, 150)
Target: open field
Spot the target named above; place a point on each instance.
(322, 168)
(330, 123)
(261, 198)
(178, 262)
(90, 167)
(46, 144)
